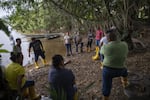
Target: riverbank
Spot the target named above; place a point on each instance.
(88, 71)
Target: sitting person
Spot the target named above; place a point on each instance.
(4, 88)
(61, 80)
(90, 37)
(15, 76)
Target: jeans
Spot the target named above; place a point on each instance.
(89, 44)
(81, 47)
(68, 49)
(107, 75)
(97, 42)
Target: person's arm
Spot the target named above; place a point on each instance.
(19, 83)
(15, 49)
(41, 45)
(20, 71)
(102, 49)
(75, 40)
(101, 42)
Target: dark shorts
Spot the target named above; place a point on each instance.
(28, 83)
(39, 53)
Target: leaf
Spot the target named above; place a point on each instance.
(4, 27)
(1, 45)
(3, 51)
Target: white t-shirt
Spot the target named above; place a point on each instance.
(103, 40)
(67, 39)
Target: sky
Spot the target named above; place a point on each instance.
(3, 13)
(4, 39)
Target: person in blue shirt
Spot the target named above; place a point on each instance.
(61, 80)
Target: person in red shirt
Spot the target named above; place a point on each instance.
(98, 36)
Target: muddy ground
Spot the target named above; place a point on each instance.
(88, 71)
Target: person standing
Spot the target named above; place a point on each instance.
(61, 80)
(98, 36)
(17, 48)
(103, 41)
(90, 37)
(78, 41)
(115, 54)
(67, 40)
(38, 51)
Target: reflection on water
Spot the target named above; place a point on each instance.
(54, 46)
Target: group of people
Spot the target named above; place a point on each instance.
(37, 48)
(61, 80)
(78, 40)
(113, 53)
(14, 73)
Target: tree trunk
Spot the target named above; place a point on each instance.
(128, 40)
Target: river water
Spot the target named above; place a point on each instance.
(53, 46)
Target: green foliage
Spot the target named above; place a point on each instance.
(3, 50)
(57, 95)
(61, 95)
(35, 16)
(51, 15)
(4, 27)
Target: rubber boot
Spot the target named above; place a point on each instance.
(36, 65)
(90, 49)
(96, 48)
(124, 81)
(105, 98)
(32, 94)
(87, 49)
(25, 93)
(44, 62)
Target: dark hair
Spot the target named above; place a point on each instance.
(109, 31)
(56, 61)
(14, 56)
(33, 38)
(111, 35)
(18, 39)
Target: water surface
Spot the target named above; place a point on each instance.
(54, 46)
